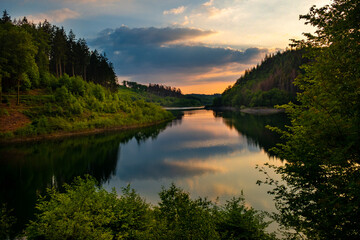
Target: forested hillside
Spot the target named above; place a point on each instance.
(31, 54)
(51, 82)
(168, 96)
(268, 84)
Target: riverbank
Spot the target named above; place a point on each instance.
(41, 115)
(254, 111)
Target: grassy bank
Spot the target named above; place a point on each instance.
(71, 105)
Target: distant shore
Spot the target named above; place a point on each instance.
(183, 108)
(255, 110)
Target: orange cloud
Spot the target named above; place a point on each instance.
(59, 15)
(175, 11)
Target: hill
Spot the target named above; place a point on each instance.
(52, 84)
(167, 96)
(268, 84)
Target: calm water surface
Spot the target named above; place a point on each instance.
(209, 154)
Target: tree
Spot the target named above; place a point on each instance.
(86, 211)
(183, 217)
(236, 221)
(322, 197)
(83, 56)
(59, 49)
(71, 41)
(5, 18)
(18, 51)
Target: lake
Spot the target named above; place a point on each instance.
(207, 153)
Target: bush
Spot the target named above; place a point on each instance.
(25, 82)
(62, 95)
(99, 92)
(86, 211)
(185, 218)
(78, 86)
(76, 108)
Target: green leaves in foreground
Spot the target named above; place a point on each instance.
(320, 199)
(86, 211)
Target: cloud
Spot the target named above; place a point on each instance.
(175, 11)
(125, 37)
(157, 50)
(58, 16)
(209, 3)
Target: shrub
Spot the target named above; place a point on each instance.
(78, 86)
(99, 92)
(62, 95)
(25, 82)
(86, 211)
(76, 108)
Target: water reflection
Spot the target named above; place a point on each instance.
(207, 153)
(27, 169)
(203, 155)
(254, 127)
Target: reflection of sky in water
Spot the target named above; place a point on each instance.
(202, 155)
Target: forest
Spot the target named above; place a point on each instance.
(267, 84)
(51, 82)
(31, 54)
(168, 96)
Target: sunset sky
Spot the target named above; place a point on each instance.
(198, 45)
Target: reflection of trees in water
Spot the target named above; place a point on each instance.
(254, 127)
(27, 169)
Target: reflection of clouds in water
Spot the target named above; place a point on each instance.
(172, 154)
(154, 161)
(208, 143)
(199, 154)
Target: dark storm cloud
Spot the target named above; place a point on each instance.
(149, 50)
(125, 36)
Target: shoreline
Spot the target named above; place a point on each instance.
(59, 135)
(254, 110)
(183, 108)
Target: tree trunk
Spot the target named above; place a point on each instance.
(85, 72)
(0, 90)
(73, 70)
(57, 69)
(60, 68)
(18, 91)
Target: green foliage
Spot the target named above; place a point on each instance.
(267, 84)
(185, 218)
(321, 198)
(74, 100)
(98, 92)
(4, 112)
(62, 95)
(6, 222)
(86, 211)
(235, 221)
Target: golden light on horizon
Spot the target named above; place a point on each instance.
(206, 88)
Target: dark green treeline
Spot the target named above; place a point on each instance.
(32, 53)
